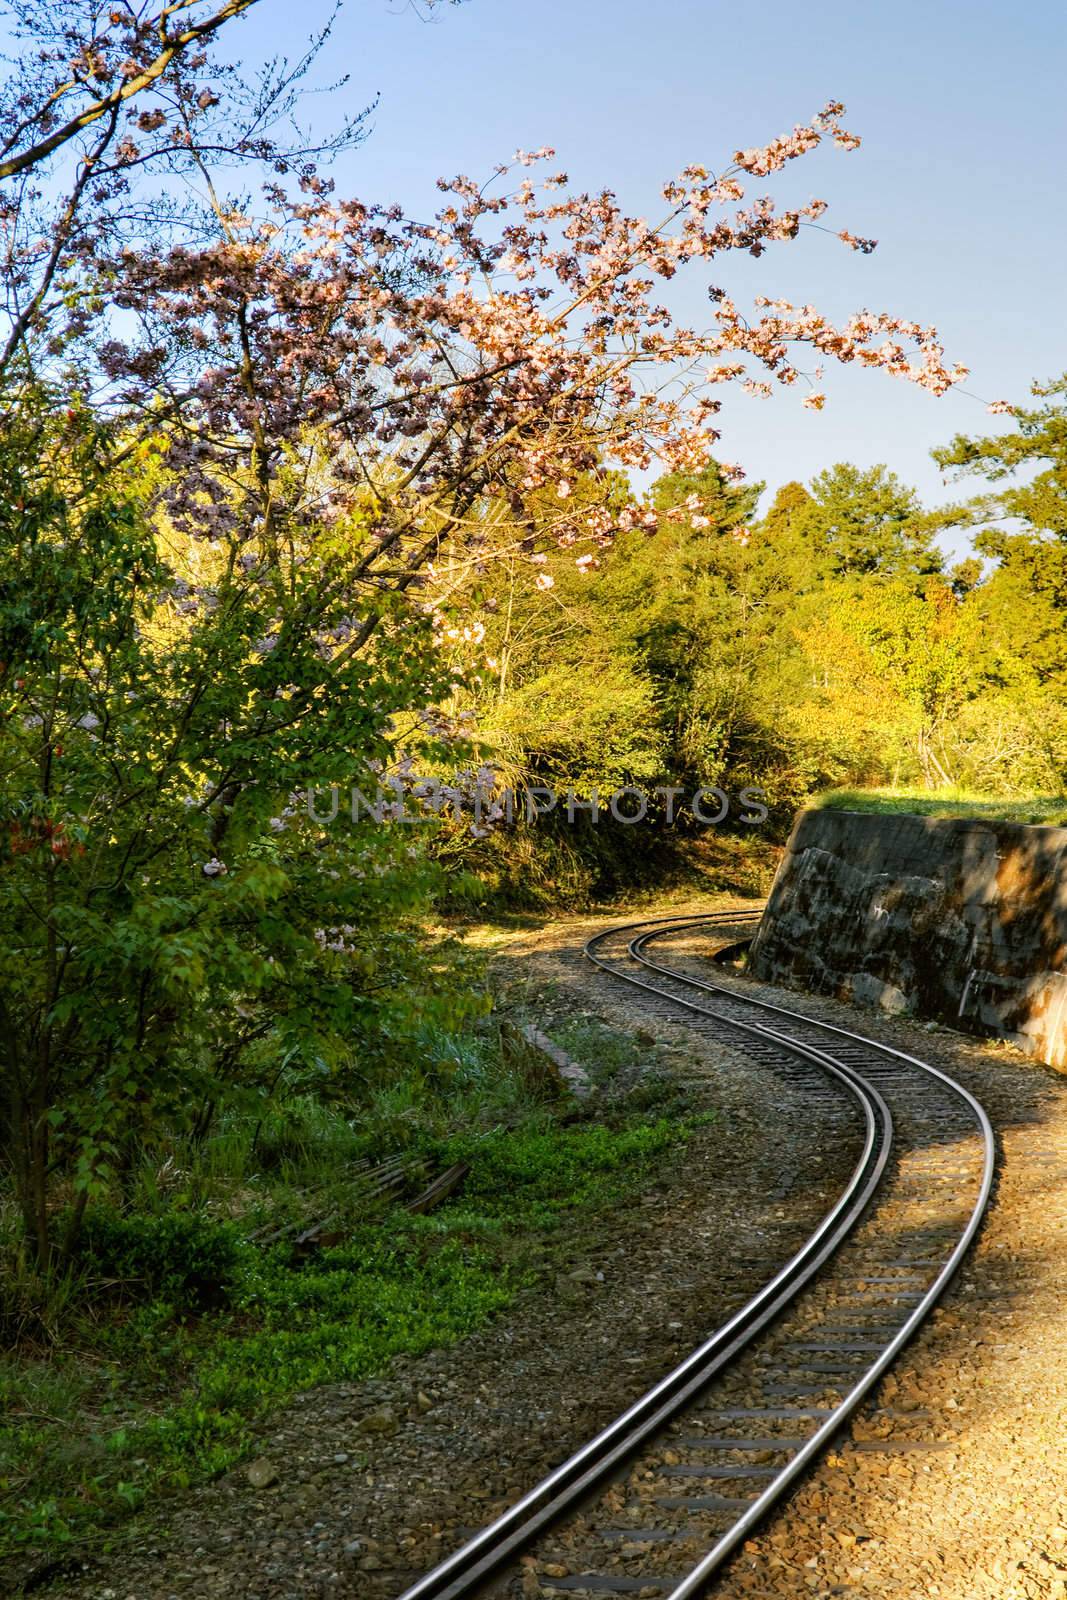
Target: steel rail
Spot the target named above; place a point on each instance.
(695, 1583)
(473, 1561)
(467, 1567)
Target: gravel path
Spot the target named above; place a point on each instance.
(369, 1482)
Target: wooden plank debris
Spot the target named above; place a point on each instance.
(439, 1189)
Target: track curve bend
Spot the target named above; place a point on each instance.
(640, 1509)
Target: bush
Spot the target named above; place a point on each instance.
(191, 1262)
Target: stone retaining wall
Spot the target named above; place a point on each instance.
(957, 920)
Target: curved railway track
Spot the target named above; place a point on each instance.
(657, 1502)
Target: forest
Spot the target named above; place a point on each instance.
(305, 493)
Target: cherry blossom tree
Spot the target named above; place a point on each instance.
(458, 365)
(246, 436)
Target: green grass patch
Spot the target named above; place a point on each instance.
(604, 1052)
(188, 1332)
(1033, 809)
(626, 1068)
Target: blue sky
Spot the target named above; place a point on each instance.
(960, 104)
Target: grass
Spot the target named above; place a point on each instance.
(625, 1068)
(949, 802)
(181, 1332)
(605, 1053)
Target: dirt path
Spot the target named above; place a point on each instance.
(375, 1479)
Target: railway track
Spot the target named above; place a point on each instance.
(657, 1502)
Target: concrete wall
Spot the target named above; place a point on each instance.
(953, 919)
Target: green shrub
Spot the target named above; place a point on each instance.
(190, 1262)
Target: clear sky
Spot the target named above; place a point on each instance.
(960, 104)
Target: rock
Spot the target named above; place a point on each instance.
(261, 1473)
(383, 1422)
(423, 1402)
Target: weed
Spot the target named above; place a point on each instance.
(605, 1053)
